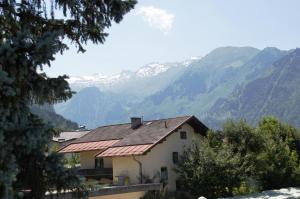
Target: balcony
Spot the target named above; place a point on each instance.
(103, 172)
(125, 189)
(111, 190)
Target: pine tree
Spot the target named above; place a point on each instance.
(31, 33)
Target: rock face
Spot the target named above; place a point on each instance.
(288, 193)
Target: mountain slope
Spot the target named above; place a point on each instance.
(276, 93)
(47, 113)
(194, 92)
(93, 108)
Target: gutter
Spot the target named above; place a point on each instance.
(140, 168)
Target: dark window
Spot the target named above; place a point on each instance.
(183, 135)
(178, 185)
(163, 174)
(175, 157)
(99, 163)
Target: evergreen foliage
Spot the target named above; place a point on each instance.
(31, 34)
(241, 159)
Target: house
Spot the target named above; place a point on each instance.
(66, 137)
(136, 153)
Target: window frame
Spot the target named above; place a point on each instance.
(101, 163)
(183, 135)
(164, 176)
(175, 157)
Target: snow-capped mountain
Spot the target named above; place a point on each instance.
(99, 78)
(108, 81)
(152, 70)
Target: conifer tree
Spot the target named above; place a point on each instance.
(32, 32)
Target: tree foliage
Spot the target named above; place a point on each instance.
(242, 159)
(32, 32)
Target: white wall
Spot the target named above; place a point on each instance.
(159, 156)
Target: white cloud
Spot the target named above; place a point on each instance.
(157, 18)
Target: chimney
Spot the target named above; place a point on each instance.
(136, 122)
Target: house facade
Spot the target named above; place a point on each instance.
(136, 153)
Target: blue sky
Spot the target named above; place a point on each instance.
(175, 30)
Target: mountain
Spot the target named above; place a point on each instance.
(47, 113)
(114, 96)
(151, 77)
(276, 92)
(93, 108)
(229, 82)
(203, 82)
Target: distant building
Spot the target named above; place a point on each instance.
(136, 153)
(65, 138)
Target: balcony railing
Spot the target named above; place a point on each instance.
(103, 172)
(110, 191)
(125, 189)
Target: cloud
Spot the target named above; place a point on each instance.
(157, 18)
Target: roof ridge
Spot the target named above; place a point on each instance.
(143, 121)
(168, 118)
(111, 125)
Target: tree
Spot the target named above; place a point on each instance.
(242, 159)
(280, 158)
(32, 32)
(206, 172)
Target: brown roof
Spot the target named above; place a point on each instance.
(87, 146)
(149, 133)
(125, 150)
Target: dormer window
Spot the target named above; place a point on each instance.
(183, 135)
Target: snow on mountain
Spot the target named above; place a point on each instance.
(192, 59)
(152, 70)
(103, 80)
(100, 78)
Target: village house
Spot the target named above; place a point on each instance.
(66, 137)
(136, 153)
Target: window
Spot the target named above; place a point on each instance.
(99, 163)
(163, 174)
(178, 185)
(175, 157)
(183, 135)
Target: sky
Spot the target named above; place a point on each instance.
(175, 30)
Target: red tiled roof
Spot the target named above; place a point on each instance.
(125, 150)
(87, 146)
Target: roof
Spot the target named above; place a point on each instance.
(149, 133)
(69, 135)
(125, 150)
(88, 146)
